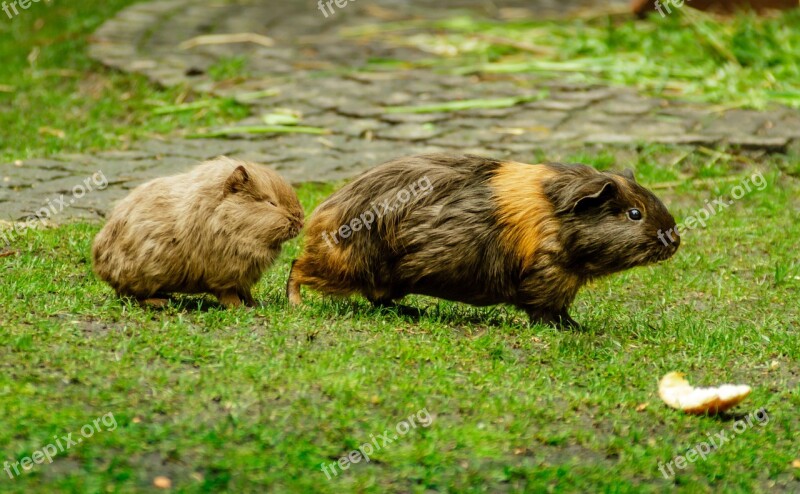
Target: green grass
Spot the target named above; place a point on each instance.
(249, 400)
(229, 68)
(55, 98)
(746, 61)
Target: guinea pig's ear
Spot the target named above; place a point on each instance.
(628, 173)
(237, 180)
(592, 195)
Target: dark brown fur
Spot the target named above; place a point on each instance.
(488, 232)
(215, 229)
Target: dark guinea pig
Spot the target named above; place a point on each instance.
(481, 231)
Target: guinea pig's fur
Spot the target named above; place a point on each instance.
(215, 230)
(486, 232)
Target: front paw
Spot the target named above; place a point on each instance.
(560, 319)
(564, 321)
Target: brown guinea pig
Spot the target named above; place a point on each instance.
(481, 231)
(215, 229)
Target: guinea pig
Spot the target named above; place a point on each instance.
(481, 231)
(215, 229)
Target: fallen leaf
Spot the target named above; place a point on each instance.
(796, 463)
(326, 142)
(467, 104)
(162, 482)
(223, 39)
(641, 407)
(53, 132)
(279, 119)
(515, 131)
(33, 55)
(382, 13)
(260, 129)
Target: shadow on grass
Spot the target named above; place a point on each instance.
(441, 311)
(176, 302)
(420, 309)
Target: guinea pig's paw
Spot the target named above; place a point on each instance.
(564, 321)
(153, 303)
(248, 300)
(230, 299)
(560, 320)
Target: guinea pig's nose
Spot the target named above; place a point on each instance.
(298, 223)
(674, 239)
(669, 238)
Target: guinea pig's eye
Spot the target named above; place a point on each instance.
(634, 214)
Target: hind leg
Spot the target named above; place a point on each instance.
(153, 302)
(381, 302)
(330, 279)
(247, 297)
(229, 298)
(157, 300)
(293, 286)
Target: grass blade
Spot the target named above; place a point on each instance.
(261, 129)
(467, 104)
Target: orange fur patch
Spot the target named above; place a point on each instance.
(321, 243)
(526, 214)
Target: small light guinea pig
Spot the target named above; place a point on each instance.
(481, 231)
(215, 230)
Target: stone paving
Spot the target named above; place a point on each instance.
(307, 61)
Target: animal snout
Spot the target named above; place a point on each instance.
(669, 237)
(297, 223)
(675, 238)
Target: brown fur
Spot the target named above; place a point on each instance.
(488, 232)
(215, 229)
